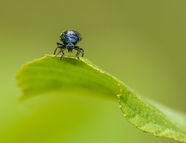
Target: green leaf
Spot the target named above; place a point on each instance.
(152, 117)
(49, 75)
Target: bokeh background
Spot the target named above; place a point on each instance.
(141, 42)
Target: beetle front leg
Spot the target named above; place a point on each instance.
(61, 47)
(79, 50)
(82, 51)
(62, 53)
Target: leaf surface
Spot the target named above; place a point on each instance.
(81, 77)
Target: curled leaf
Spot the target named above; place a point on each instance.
(81, 77)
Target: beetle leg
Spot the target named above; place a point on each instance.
(77, 55)
(79, 50)
(59, 52)
(62, 54)
(61, 47)
(82, 51)
(55, 51)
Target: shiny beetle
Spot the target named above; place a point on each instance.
(69, 40)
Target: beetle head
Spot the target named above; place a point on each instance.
(70, 47)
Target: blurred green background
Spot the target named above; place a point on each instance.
(141, 42)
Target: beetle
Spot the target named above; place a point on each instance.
(69, 40)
